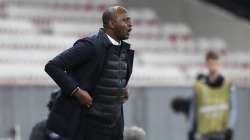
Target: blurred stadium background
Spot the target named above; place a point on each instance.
(170, 38)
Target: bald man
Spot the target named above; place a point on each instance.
(93, 77)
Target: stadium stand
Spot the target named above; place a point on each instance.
(32, 32)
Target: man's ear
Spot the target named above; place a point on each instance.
(111, 24)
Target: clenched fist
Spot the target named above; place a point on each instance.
(84, 97)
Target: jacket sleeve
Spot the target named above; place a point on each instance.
(57, 68)
(191, 115)
(233, 108)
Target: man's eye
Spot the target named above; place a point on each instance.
(127, 19)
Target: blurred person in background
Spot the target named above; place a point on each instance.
(38, 132)
(134, 133)
(213, 108)
(93, 77)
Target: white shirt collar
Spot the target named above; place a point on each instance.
(114, 42)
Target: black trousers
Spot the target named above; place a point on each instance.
(100, 133)
(90, 130)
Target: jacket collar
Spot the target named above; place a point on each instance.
(114, 42)
(106, 42)
(216, 83)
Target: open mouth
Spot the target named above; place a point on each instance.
(129, 30)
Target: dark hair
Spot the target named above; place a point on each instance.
(212, 55)
(107, 16)
(111, 14)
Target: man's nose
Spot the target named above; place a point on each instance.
(129, 23)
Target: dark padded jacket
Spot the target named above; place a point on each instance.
(80, 65)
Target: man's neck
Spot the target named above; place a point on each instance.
(213, 77)
(111, 34)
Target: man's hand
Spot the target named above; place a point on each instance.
(84, 97)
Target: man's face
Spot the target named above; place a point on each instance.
(122, 24)
(213, 66)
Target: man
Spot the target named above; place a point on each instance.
(93, 77)
(213, 108)
(39, 130)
